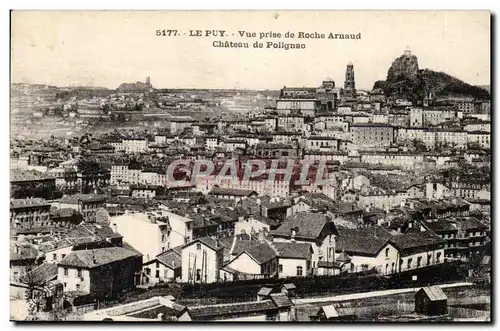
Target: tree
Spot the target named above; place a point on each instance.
(419, 145)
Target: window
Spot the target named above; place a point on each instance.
(78, 272)
(198, 246)
(157, 265)
(54, 256)
(409, 263)
(157, 274)
(280, 268)
(65, 271)
(63, 256)
(299, 270)
(163, 238)
(65, 285)
(78, 287)
(438, 257)
(419, 261)
(387, 252)
(198, 275)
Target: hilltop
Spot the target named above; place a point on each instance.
(406, 80)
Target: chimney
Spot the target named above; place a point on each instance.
(294, 232)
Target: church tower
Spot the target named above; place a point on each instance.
(349, 83)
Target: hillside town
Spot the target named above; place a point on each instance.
(147, 204)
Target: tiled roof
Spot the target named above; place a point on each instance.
(152, 313)
(232, 192)
(74, 199)
(208, 241)
(413, 240)
(264, 291)
(22, 251)
(281, 300)
(293, 250)
(261, 253)
(360, 245)
(170, 258)
(441, 225)
(470, 223)
(41, 274)
(306, 225)
(33, 202)
(241, 245)
(17, 175)
(434, 293)
(96, 257)
(201, 312)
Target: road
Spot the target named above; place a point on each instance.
(362, 295)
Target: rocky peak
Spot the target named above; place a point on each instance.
(405, 66)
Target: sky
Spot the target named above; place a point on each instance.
(107, 48)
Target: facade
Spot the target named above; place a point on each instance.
(100, 272)
(134, 227)
(86, 204)
(318, 230)
(202, 260)
(372, 134)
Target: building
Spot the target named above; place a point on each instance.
(85, 204)
(349, 90)
(322, 144)
(135, 145)
(291, 123)
(369, 253)
(29, 213)
(431, 300)
(315, 229)
(165, 267)
(416, 117)
(231, 193)
(482, 138)
(156, 309)
(418, 249)
(294, 259)
(306, 107)
(372, 134)
(335, 312)
(202, 260)
(275, 307)
(155, 226)
(260, 260)
(100, 272)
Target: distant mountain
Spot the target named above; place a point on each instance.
(406, 80)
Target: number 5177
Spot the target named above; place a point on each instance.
(166, 33)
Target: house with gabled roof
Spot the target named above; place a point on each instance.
(165, 267)
(202, 259)
(100, 272)
(294, 259)
(259, 260)
(315, 229)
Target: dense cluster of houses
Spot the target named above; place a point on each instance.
(385, 206)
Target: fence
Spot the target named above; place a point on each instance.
(323, 285)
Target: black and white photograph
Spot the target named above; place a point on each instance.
(319, 166)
